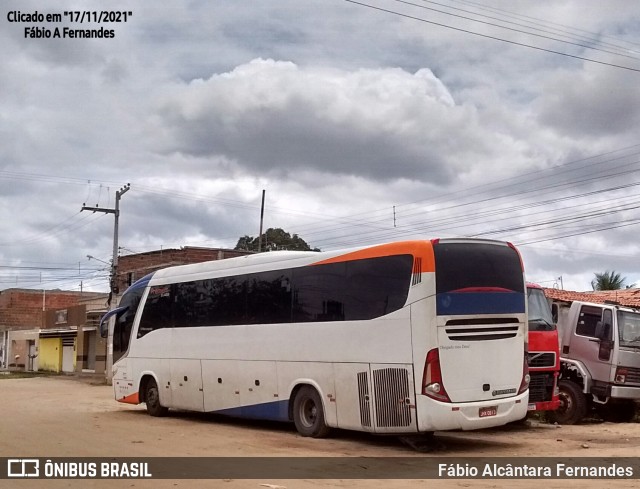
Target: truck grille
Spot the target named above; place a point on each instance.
(539, 359)
(540, 386)
(633, 375)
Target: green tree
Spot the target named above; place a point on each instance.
(274, 239)
(608, 280)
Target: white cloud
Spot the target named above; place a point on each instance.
(339, 111)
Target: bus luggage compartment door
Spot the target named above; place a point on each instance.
(186, 384)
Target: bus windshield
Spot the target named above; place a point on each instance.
(540, 318)
(124, 320)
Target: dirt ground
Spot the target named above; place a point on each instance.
(67, 417)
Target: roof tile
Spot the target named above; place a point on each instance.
(625, 297)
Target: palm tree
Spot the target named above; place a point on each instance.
(608, 280)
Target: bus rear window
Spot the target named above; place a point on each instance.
(477, 266)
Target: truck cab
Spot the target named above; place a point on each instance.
(600, 360)
(543, 352)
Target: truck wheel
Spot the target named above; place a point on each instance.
(573, 404)
(618, 412)
(152, 399)
(308, 413)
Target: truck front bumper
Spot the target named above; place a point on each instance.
(619, 392)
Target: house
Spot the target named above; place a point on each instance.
(70, 340)
(624, 297)
(57, 331)
(23, 324)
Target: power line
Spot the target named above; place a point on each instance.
(495, 38)
(509, 28)
(535, 21)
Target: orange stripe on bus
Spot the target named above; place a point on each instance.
(419, 249)
(131, 399)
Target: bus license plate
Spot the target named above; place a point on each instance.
(488, 411)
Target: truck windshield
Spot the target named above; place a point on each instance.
(629, 329)
(540, 318)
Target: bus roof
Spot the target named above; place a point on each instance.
(292, 259)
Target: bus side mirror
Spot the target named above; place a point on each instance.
(104, 322)
(554, 313)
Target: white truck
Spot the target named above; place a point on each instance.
(599, 361)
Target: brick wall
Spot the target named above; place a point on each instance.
(134, 267)
(22, 308)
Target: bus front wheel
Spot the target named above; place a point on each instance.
(152, 399)
(308, 413)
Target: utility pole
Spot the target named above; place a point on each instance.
(113, 282)
(116, 212)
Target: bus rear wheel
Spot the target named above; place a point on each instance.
(308, 413)
(152, 399)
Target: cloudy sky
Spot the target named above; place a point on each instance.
(365, 122)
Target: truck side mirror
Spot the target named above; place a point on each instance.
(603, 331)
(554, 313)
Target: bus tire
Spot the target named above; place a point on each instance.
(573, 404)
(308, 413)
(152, 399)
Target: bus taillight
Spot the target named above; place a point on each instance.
(524, 385)
(432, 384)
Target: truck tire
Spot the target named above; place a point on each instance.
(573, 404)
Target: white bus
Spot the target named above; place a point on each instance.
(406, 337)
